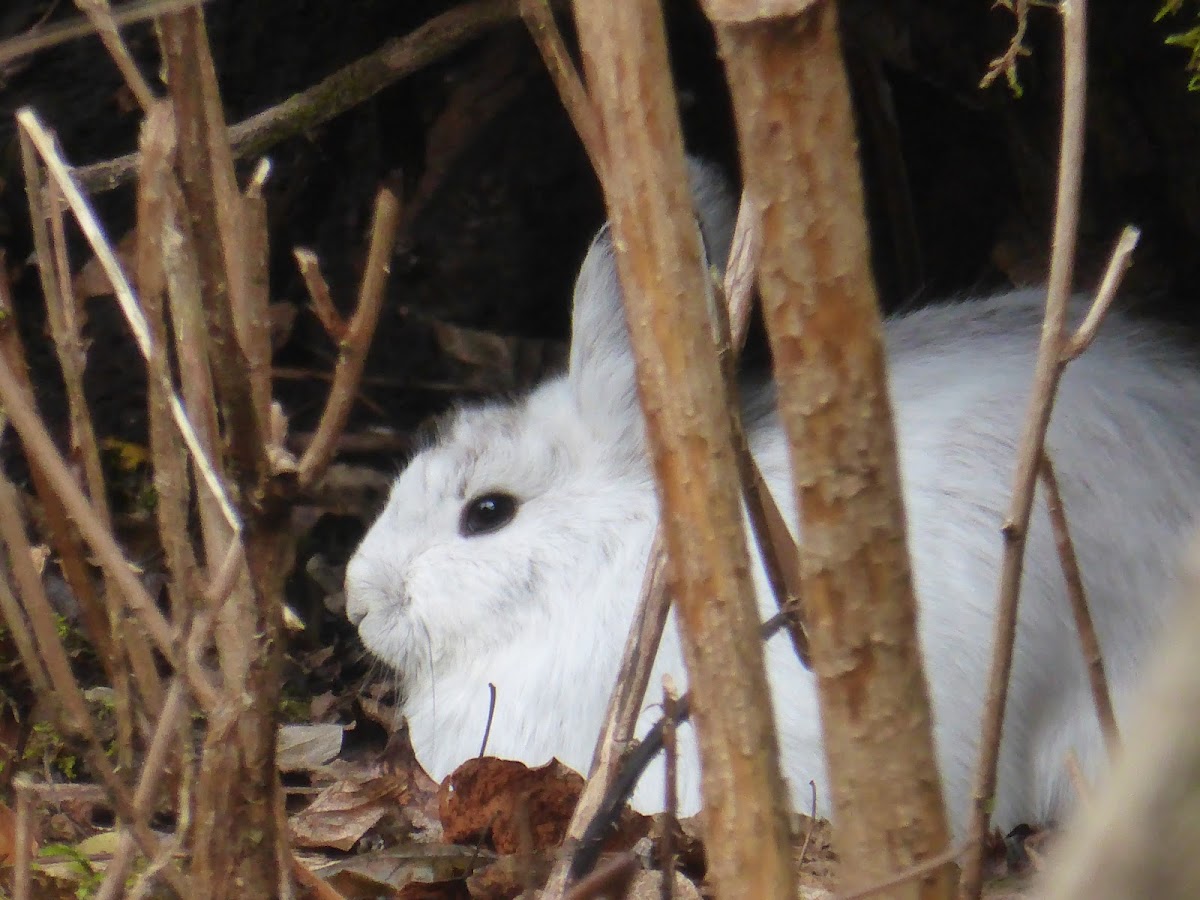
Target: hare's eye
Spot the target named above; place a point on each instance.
(487, 513)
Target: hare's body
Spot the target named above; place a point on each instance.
(540, 603)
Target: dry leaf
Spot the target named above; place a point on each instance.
(455, 889)
(518, 808)
(343, 812)
(382, 872)
(8, 835)
(508, 876)
(301, 748)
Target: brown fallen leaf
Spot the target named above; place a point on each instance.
(380, 873)
(8, 835)
(395, 785)
(509, 876)
(520, 809)
(455, 889)
(342, 813)
(304, 748)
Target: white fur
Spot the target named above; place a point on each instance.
(541, 607)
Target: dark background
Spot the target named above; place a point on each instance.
(959, 181)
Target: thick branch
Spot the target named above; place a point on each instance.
(794, 120)
(691, 445)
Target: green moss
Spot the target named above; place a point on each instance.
(47, 748)
(294, 709)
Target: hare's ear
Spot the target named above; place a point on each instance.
(601, 369)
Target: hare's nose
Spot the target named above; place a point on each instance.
(358, 590)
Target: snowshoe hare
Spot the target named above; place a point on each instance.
(512, 547)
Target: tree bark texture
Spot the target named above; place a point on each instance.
(690, 438)
(799, 157)
(236, 832)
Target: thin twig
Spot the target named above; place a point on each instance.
(539, 19)
(1006, 63)
(169, 458)
(126, 660)
(152, 769)
(343, 90)
(1088, 642)
(632, 766)
(62, 533)
(138, 11)
(61, 792)
(491, 714)
(252, 318)
(637, 661)
(149, 877)
(745, 251)
(109, 555)
(670, 818)
(94, 615)
(213, 209)
(1118, 264)
(1047, 372)
(18, 628)
(357, 342)
(105, 255)
(318, 292)
(67, 699)
(100, 14)
(23, 840)
(185, 302)
(812, 825)
(777, 548)
(597, 800)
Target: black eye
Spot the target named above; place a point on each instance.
(487, 513)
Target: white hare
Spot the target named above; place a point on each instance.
(512, 547)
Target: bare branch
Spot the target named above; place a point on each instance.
(1118, 265)
(152, 770)
(539, 19)
(1047, 372)
(1088, 642)
(63, 534)
(213, 207)
(689, 433)
(23, 840)
(341, 91)
(318, 291)
(38, 443)
(137, 11)
(100, 14)
(357, 342)
(86, 218)
(797, 138)
(67, 698)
